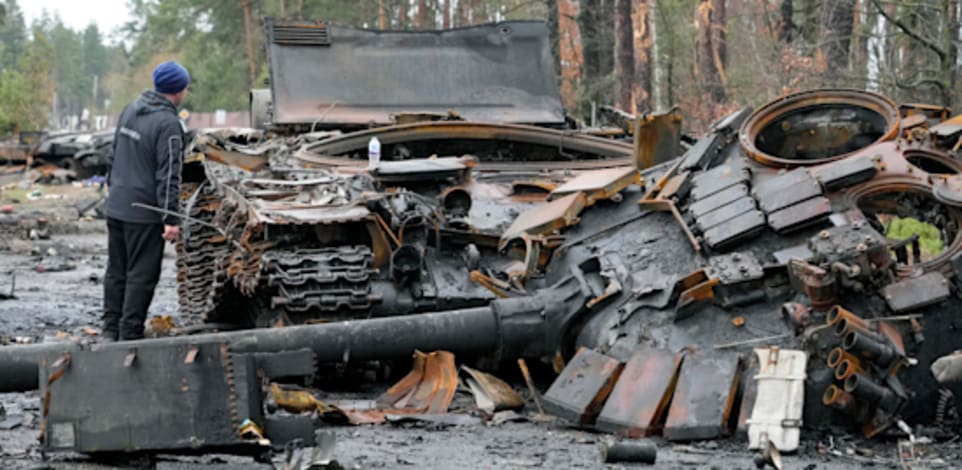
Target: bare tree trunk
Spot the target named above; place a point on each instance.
(719, 40)
(571, 51)
(249, 40)
(282, 8)
(422, 14)
(837, 21)
(300, 9)
(446, 14)
(658, 72)
(710, 66)
(786, 25)
(948, 66)
(642, 41)
(381, 14)
(624, 56)
(402, 14)
(461, 13)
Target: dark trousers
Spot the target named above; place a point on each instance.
(134, 253)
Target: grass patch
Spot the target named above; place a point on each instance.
(930, 238)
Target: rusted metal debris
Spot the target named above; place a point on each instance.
(647, 288)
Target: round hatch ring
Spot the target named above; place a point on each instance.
(818, 126)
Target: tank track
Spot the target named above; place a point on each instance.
(200, 257)
(320, 279)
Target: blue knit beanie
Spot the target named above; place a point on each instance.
(170, 77)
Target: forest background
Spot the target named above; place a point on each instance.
(705, 56)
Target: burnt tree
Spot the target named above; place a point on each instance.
(837, 21)
(624, 54)
(786, 25)
(570, 51)
(643, 64)
(711, 48)
(420, 19)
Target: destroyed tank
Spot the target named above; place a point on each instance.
(797, 265)
(296, 229)
(813, 242)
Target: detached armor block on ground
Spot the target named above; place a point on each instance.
(581, 389)
(704, 397)
(639, 402)
(162, 397)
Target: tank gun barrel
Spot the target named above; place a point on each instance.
(530, 326)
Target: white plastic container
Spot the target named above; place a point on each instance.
(373, 153)
(777, 414)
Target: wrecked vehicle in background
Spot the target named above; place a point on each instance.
(77, 155)
(796, 266)
(84, 154)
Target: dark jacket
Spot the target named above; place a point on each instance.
(148, 154)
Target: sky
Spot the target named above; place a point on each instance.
(108, 14)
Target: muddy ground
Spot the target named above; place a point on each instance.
(58, 297)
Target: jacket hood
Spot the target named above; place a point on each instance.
(152, 102)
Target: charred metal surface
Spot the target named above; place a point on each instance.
(657, 138)
(509, 63)
(581, 389)
(717, 179)
(785, 190)
(815, 127)
(525, 242)
(800, 215)
(837, 175)
(156, 397)
(915, 293)
(704, 398)
(727, 196)
(735, 230)
(638, 404)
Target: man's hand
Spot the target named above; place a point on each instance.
(171, 232)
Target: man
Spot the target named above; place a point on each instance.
(145, 169)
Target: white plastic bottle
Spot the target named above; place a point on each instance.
(373, 153)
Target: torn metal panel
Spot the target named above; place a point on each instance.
(547, 218)
(677, 187)
(236, 159)
(269, 213)
(423, 169)
(657, 138)
(491, 394)
(459, 138)
(704, 397)
(729, 124)
(800, 215)
(638, 404)
(146, 397)
(704, 151)
(428, 389)
(581, 389)
(501, 72)
(915, 293)
(598, 184)
(949, 129)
